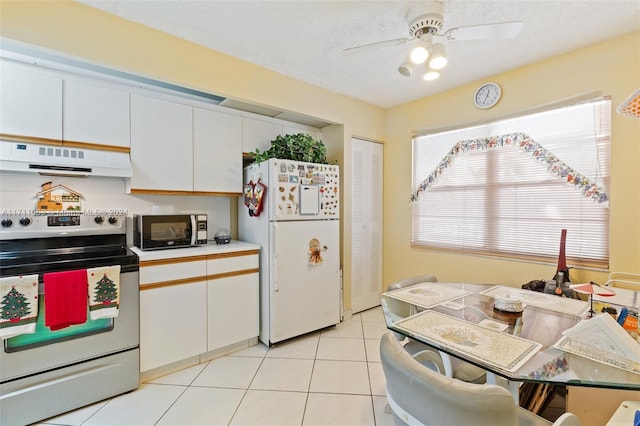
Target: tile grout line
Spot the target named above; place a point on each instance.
(248, 386)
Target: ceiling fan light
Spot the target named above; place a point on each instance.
(438, 59)
(406, 69)
(430, 74)
(420, 52)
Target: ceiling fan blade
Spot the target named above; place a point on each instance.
(376, 45)
(485, 31)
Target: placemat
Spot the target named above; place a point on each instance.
(427, 295)
(540, 300)
(492, 347)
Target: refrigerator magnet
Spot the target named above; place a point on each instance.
(315, 252)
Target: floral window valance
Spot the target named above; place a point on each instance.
(526, 144)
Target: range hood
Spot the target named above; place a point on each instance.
(63, 161)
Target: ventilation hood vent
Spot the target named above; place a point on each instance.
(63, 161)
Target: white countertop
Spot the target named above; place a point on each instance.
(211, 248)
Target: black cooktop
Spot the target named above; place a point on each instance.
(41, 255)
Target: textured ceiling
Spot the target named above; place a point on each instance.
(304, 39)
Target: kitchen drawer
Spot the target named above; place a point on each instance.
(232, 262)
(173, 270)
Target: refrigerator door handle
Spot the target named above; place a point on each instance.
(274, 260)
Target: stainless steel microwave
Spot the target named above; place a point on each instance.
(162, 231)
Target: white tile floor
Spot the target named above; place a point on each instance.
(331, 377)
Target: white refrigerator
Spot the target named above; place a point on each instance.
(298, 229)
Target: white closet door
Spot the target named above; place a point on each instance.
(366, 224)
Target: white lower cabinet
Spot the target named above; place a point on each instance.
(193, 305)
(232, 300)
(173, 294)
(172, 326)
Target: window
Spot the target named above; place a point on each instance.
(509, 187)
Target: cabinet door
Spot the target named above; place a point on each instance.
(161, 144)
(292, 129)
(217, 151)
(30, 102)
(172, 324)
(258, 134)
(232, 299)
(95, 114)
(233, 310)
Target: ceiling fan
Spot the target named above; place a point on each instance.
(426, 23)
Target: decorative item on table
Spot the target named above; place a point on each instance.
(601, 339)
(562, 272)
(591, 289)
(535, 285)
(507, 303)
(223, 236)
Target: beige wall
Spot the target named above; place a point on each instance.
(613, 68)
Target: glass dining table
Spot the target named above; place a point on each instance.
(461, 320)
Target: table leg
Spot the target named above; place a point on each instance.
(513, 387)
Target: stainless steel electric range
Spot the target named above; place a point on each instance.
(47, 372)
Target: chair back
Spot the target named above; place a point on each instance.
(426, 278)
(418, 393)
(627, 280)
(403, 309)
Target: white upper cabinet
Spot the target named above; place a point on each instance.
(217, 151)
(292, 130)
(30, 102)
(161, 144)
(95, 114)
(258, 134)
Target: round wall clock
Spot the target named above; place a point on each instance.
(487, 95)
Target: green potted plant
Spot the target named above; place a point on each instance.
(298, 147)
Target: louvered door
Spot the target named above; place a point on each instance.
(366, 224)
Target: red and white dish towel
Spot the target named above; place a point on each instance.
(18, 305)
(65, 298)
(104, 291)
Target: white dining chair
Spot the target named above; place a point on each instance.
(459, 369)
(420, 396)
(626, 280)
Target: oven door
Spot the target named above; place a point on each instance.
(165, 231)
(47, 350)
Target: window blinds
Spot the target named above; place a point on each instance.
(509, 187)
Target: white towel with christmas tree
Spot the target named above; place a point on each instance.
(18, 305)
(104, 291)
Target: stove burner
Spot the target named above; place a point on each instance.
(43, 247)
